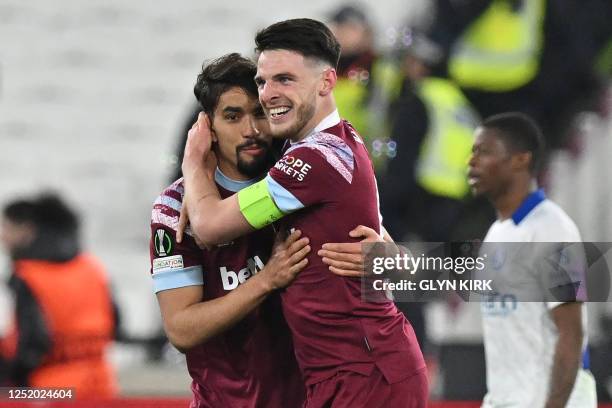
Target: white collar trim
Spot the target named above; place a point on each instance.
(330, 120)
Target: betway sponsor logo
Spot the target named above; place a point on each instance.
(231, 279)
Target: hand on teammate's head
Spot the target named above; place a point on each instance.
(199, 143)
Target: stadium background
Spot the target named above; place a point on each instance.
(92, 96)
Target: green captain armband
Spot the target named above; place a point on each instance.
(257, 205)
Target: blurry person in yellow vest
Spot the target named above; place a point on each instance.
(496, 52)
(500, 50)
(533, 56)
(423, 191)
(64, 318)
(367, 80)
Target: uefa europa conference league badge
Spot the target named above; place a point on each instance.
(162, 243)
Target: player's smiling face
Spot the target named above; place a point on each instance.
(490, 166)
(242, 135)
(288, 85)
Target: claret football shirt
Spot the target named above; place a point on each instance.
(324, 185)
(252, 364)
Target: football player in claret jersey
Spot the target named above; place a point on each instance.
(218, 304)
(352, 353)
(535, 351)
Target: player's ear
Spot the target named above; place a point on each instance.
(211, 120)
(328, 82)
(522, 160)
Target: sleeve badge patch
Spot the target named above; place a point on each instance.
(168, 263)
(163, 243)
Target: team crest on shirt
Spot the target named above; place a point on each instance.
(162, 242)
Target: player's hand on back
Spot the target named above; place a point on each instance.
(347, 258)
(287, 260)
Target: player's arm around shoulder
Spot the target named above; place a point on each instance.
(287, 188)
(189, 320)
(218, 221)
(212, 220)
(568, 351)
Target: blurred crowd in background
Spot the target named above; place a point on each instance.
(416, 93)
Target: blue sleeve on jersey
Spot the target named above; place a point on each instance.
(284, 200)
(178, 278)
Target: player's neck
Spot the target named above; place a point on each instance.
(231, 172)
(511, 199)
(327, 107)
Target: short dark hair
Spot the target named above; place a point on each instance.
(306, 36)
(519, 133)
(45, 212)
(221, 74)
(19, 211)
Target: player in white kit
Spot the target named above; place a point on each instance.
(535, 351)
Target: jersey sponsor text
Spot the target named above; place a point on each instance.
(231, 279)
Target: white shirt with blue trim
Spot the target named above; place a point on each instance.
(520, 337)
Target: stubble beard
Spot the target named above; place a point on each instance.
(304, 114)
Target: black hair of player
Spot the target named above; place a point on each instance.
(519, 133)
(220, 75)
(308, 37)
